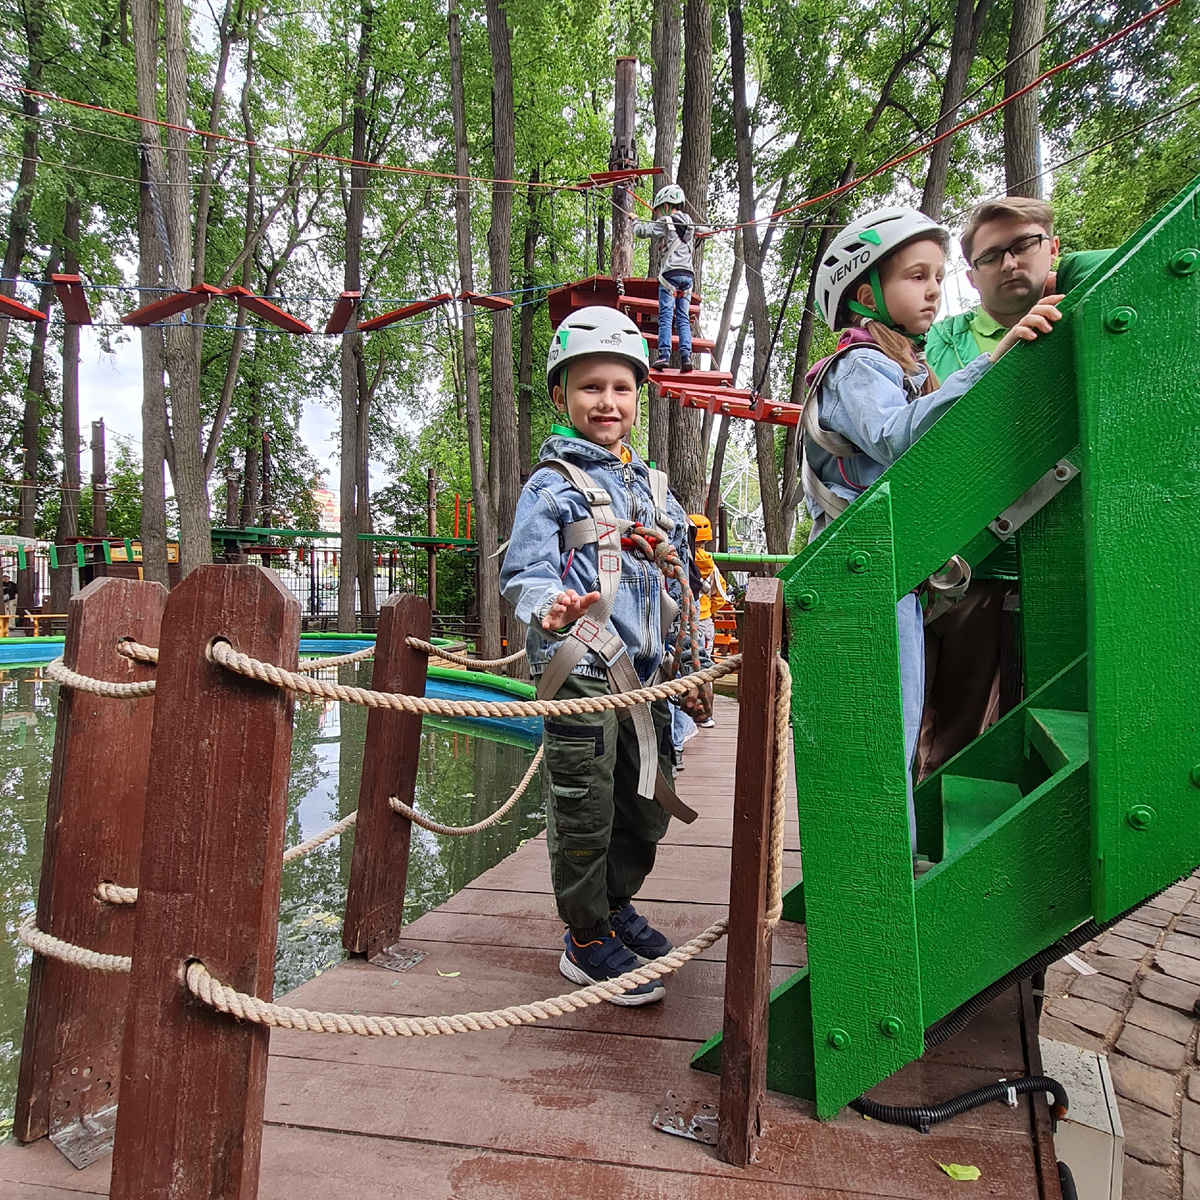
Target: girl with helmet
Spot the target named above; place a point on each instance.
(880, 285)
(600, 620)
(676, 272)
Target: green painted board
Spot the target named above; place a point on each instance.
(1138, 340)
(970, 805)
(848, 734)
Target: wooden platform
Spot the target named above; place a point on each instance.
(563, 1109)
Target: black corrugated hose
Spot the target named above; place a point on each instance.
(923, 1116)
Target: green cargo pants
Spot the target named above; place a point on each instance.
(602, 835)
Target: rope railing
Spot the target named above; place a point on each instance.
(405, 810)
(61, 673)
(226, 656)
(149, 654)
(210, 990)
(461, 660)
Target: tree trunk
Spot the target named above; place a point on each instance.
(1022, 135)
(622, 155)
(505, 482)
(183, 341)
(249, 514)
(666, 46)
(366, 550)
(968, 24)
(525, 376)
(488, 575)
(695, 161)
(22, 200)
(352, 348)
(35, 396)
(764, 434)
(61, 581)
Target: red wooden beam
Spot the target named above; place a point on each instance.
(74, 1018)
(19, 311)
(486, 301)
(748, 965)
(172, 305)
(189, 1123)
(72, 298)
(268, 311)
(346, 305)
(379, 866)
(399, 314)
(600, 178)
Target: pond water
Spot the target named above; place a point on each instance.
(462, 777)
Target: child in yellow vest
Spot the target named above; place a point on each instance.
(713, 596)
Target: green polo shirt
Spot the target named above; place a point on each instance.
(986, 330)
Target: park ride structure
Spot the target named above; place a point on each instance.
(1084, 800)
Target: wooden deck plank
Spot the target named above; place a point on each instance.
(562, 1110)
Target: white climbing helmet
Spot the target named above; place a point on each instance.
(597, 329)
(855, 254)
(671, 193)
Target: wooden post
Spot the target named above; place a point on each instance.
(621, 155)
(379, 868)
(74, 1018)
(99, 482)
(748, 947)
(432, 485)
(192, 1079)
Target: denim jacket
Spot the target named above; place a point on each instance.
(536, 568)
(866, 398)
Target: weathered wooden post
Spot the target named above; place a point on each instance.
(192, 1079)
(748, 947)
(379, 868)
(74, 1019)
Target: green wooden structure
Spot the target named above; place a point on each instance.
(1085, 799)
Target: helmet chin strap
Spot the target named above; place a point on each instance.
(880, 311)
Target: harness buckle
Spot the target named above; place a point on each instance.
(596, 496)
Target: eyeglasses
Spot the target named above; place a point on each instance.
(1029, 244)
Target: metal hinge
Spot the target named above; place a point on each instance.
(693, 1119)
(1034, 500)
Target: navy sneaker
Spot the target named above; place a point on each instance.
(601, 960)
(686, 364)
(638, 934)
(660, 363)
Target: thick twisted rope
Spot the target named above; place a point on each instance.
(78, 956)
(278, 1016)
(115, 893)
(149, 654)
(59, 671)
(226, 656)
(415, 817)
(461, 660)
(225, 999)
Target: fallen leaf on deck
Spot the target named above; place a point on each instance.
(448, 974)
(957, 1171)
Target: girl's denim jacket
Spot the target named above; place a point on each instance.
(536, 568)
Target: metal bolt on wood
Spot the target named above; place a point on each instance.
(1186, 261)
(1121, 319)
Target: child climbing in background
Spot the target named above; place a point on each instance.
(601, 619)
(676, 272)
(880, 284)
(713, 596)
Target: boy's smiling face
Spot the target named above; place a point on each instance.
(600, 398)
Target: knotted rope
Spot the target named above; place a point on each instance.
(242, 664)
(398, 805)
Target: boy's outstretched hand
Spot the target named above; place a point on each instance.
(1039, 319)
(568, 606)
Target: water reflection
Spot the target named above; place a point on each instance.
(462, 777)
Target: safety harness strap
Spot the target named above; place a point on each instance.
(590, 632)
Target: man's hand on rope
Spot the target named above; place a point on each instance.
(567, 608)
(698, 704)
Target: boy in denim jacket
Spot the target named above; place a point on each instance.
(600, 620)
